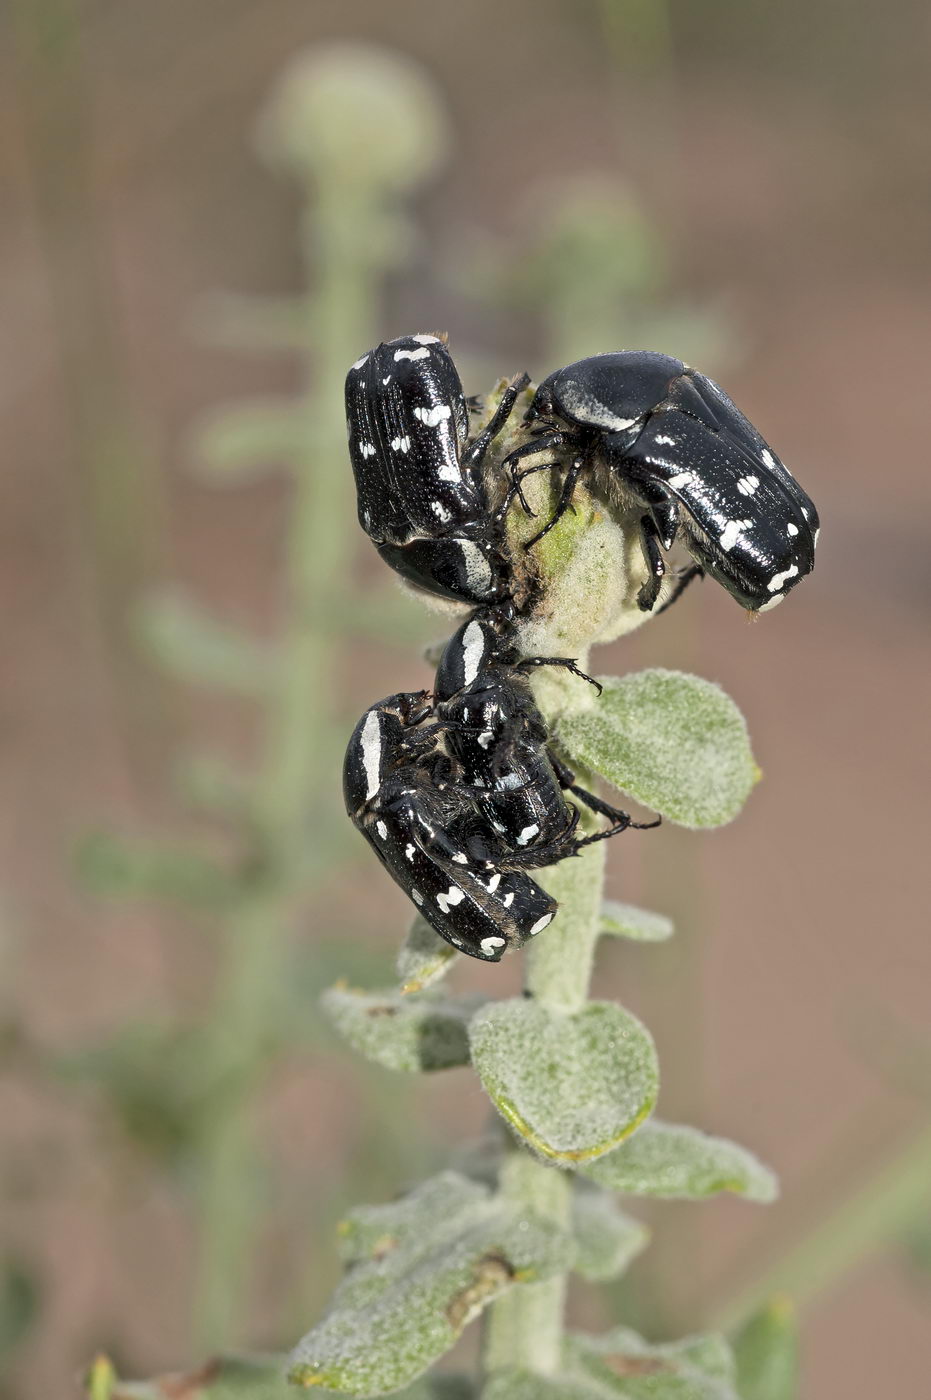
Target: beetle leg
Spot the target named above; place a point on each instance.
(682, 583)
(604, 809)
(656, 565)
(474, 453)
(566, 662)
(564, 502)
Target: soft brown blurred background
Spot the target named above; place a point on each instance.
(768, 171)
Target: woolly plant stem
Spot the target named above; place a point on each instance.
(524, 1329)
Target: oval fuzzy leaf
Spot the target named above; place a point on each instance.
(674, 742)
(766, 1349)
(606, 1239)
(424, 957)
(419, 1270)
(410, 1033)
(666, 1159)
(621, 1363)
(572, 1085)
(627, 921)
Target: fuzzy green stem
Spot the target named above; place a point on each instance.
(525, 1328)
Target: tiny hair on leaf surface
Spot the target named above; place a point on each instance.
(682, 1163)
(419, 1270)
(672, 741)
(410, 1033)
(572, 1085)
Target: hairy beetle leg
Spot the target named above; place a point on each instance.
(656, 564)
(476, 450)
(566, 662)
(682, 583)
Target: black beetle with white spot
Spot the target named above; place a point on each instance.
(461, 792)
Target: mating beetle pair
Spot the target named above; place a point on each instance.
(656, 439)
(460, 799)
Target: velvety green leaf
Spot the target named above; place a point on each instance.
(627, 921)
(666, 1159)
(621, 1363)
(571, 1085)
(114, 867)
(412, 1033)
(240, 442)
(606, 1239)
(424, 957)
(419, 1270)
(674, 742)
(766, 1349)
(184, 639)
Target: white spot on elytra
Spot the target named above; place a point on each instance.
(680, 479)
(490, 944)
(460, 858)
(508, 900)
(410, 850)
(664, 440)
(767, 457)
(454, 895)
(367, 449)
(473, 649)
(747, 485)
(371, 752)
(805, 512)
(433, 417)
(773, 602)
(732, 532)
(494, 882)
(440, 511)
(359, 363)
(778, 580)
(541, 924)
(527, 834)
(426, 339)
(386, 380)
(485, 738)
(791, 529)
(382, 830)
(416, 896)
(421, 354)
(400, 444)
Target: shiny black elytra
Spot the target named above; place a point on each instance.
(421, 496)
(500, 745)
(671, 439)
(401, 793)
